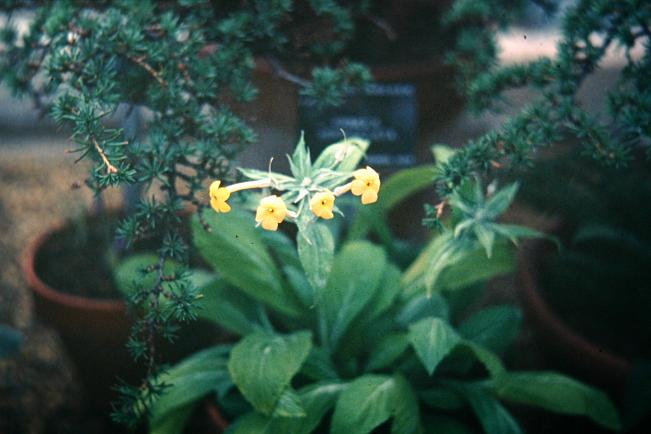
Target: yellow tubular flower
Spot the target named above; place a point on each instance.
(366, 184)
(322, 204)
(271, 212)
(218, 197)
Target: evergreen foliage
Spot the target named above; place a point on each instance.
(613, 136)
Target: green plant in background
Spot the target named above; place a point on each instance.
(353, 335)
(613, 136)
(187, 64)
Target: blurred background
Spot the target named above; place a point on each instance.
(42, 184)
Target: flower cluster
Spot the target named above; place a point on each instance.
(272, 209)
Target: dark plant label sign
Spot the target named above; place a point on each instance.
(384, 113)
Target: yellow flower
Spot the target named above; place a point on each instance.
(366, 184)
(322, 204)
(218, 197)
(271, 212)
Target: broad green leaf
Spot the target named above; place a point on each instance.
(173, 422)
(432, 339)
(289, 405)
(441, 253)
(371, 400)
(421, 306)
(189, 381)
(318, 366)
(235, 250)
(300, 285)
(263, 364)
(387, 351)
(474, 267)
(317, 399)
(347, 152)
(316, 249)
(231, 309)
(494, 418)
(500, 201)
(558, 393)
(352, 284)
(282, 246)
(490, 360)
(394, 190)
(494, 327)
(406, 413)
(386, 295)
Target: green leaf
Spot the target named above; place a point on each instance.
(394, 190)
(263, 364)
(370, 401)
(500, 201)
(387, 351)
(558, 393)
(442, 154)
(235, 250)
(316, 249)
(489, 359)
(352, 284)
(347, 152)
(486, 238)
(517, 232)
(494, 418)
(189, 381)
(474, 267)
(289, 405)
(300, 162)
(318, 366)
(495, 327)
(230, 309)
(386, 295)
(432, 339)
(173, 422)
(317, 399)
(421, 306)
(406, 413)
(282, 246)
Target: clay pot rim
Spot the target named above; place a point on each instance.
(59, 297)
(609, 365)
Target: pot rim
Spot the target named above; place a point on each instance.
(45, 291)
(609, 365)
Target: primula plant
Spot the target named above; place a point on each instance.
(340, 339)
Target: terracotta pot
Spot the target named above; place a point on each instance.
(94, 331)
(565, 345)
